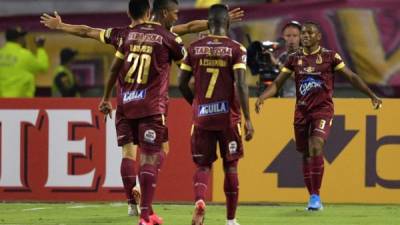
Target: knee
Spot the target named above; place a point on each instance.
(129, 151)
(203, 168)
(149, 159)
(315, 146)
(230, 167)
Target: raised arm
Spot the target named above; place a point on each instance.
(272, 89)
(196, 26)
(358, 83)
(243, 92)
(55, 23)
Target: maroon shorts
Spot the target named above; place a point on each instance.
(204, 144)
(308, 126)
(149, 132)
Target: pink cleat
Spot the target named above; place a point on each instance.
(143, 222)
(156, 219)
(199, 212)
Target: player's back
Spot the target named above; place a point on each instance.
(147, 50)
(212, 59)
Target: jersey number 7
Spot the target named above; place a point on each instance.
(214, 76)
(140, 62)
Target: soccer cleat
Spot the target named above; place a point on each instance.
(143, 222)
(315, 203)
(198, 214)
(156, 219)
(134, 210)
(232, 222)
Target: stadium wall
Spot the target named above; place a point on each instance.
(62, 150)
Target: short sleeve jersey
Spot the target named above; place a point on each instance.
(314, 77)
(147, 50)
(114, 36)
(212, 61)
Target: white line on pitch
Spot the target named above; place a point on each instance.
(33, 209)
(82, 206)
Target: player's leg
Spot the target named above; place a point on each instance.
(231, 148)
(301, 133)
(203, 147)
(128, 164)
(129, 178)
(319, 132)
(151, 139)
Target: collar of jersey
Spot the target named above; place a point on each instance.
(314, 52)
(217, 36)
(152, 22)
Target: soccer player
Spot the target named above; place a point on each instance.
(218, 65)
(141, 66)
(314, 68)
(162, 10)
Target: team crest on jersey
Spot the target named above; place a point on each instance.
(309, 69)
(136, 95)
(150, 136)
(232, 147)
(213, 108)
(308, 84)
(319, 59)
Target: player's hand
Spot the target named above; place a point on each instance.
(106, 108)
(236, 15)
(376, 103)
(259, 104)
(52, 22)
(249, 130)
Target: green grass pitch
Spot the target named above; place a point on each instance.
(116, 213)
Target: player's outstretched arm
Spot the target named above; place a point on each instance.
(184, 79)
(272, 89)
(243, 91)
(358, 83)
(196, 26)
(55, 23)
(105, 105)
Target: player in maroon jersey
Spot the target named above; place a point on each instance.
(141, 66)
(113, 36)
(218, 65)
(314, 68)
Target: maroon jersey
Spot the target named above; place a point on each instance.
(212, 60)
(314, 76)
(147, 50)
(114, 36)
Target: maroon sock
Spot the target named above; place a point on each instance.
(317, 171)
(231, 188)
(307, 174)
(148, 180)
(200, 183)
(128, 174)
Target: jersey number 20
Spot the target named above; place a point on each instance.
(140, 62)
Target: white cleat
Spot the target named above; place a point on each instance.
(133, 210)
(232, 222)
